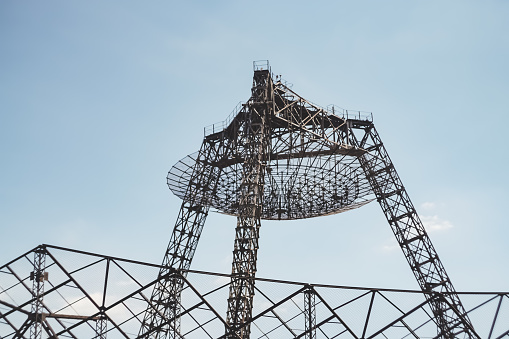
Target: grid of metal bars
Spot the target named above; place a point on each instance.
(312, 167)
(89, 295)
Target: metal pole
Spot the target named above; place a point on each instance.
(38, 276)
(310, 313)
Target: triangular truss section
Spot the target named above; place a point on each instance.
(88, 295)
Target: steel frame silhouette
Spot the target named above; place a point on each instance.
(281, 157)
(89, 295)
(278, 156)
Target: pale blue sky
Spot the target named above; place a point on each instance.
(98, 99)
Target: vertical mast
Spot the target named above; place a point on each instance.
(253, 142)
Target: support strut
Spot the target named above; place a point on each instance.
(162, 318)
(449, 313)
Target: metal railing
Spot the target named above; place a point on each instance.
(349, 114)
(221, 125)
(260, 65)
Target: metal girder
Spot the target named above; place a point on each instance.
(282, 309)
(38, 277)
(310, 313)
(255, 138)
(165, 299)
(101, 327)
(410, 233)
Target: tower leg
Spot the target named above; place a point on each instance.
(162, 318)
(413, 239)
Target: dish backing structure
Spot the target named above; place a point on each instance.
(279, 157)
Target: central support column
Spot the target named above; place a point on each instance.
(253, 142)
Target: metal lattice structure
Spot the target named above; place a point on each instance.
(89, 295)
(277, 157)
(282, 157)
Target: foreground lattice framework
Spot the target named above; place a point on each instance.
(87, 295)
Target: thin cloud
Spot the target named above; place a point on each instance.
(434, 223)
(222, 281)
(390, 246)
(428, 205)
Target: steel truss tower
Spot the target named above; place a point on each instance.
(281, 157)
